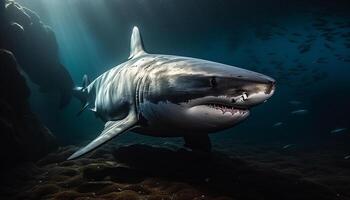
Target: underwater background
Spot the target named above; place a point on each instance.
(302, 130)
(303, 45)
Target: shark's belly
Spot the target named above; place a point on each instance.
(165, 120)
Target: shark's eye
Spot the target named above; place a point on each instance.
(213, 82)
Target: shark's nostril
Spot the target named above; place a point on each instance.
(233, 100)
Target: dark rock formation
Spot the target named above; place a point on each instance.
(23, 136)
(35, 47)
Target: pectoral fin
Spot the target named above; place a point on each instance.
(112, 129)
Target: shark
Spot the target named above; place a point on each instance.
(170, 96)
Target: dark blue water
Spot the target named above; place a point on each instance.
(304, 46)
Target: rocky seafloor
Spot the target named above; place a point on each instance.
(139, 171)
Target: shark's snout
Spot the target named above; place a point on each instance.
(255, 93)
(271, 87)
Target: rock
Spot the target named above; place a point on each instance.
(159, 197)
(43, 190)
(72, 182)
(69, 195)
(223, 198)
(35, 46)
(23, 136)
(59, 156)
(65, 171)
(126, 174)
(174, 187)
(110, 188)
(58, 178)
(99, 171)
(93, 186)
(96, 171)
(140, 189)
(68, 163)
(187, 194)
(126, 194)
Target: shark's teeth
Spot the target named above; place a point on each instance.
(224, 109)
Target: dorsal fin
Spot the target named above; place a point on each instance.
(86, 81)
(136, 45)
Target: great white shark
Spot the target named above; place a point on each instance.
(171, 96)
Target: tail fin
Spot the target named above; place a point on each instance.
(81, 93)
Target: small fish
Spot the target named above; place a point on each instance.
(320, 60)
(319, 76)
(328, 46)
(347, 157)
(277, 124)
(300, 112)
(303, 48)
(287, 146)
(338, 130)
(346, 60)
(293, 102)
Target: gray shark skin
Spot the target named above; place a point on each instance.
(171, 96)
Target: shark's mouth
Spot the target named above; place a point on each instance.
(224, 108)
